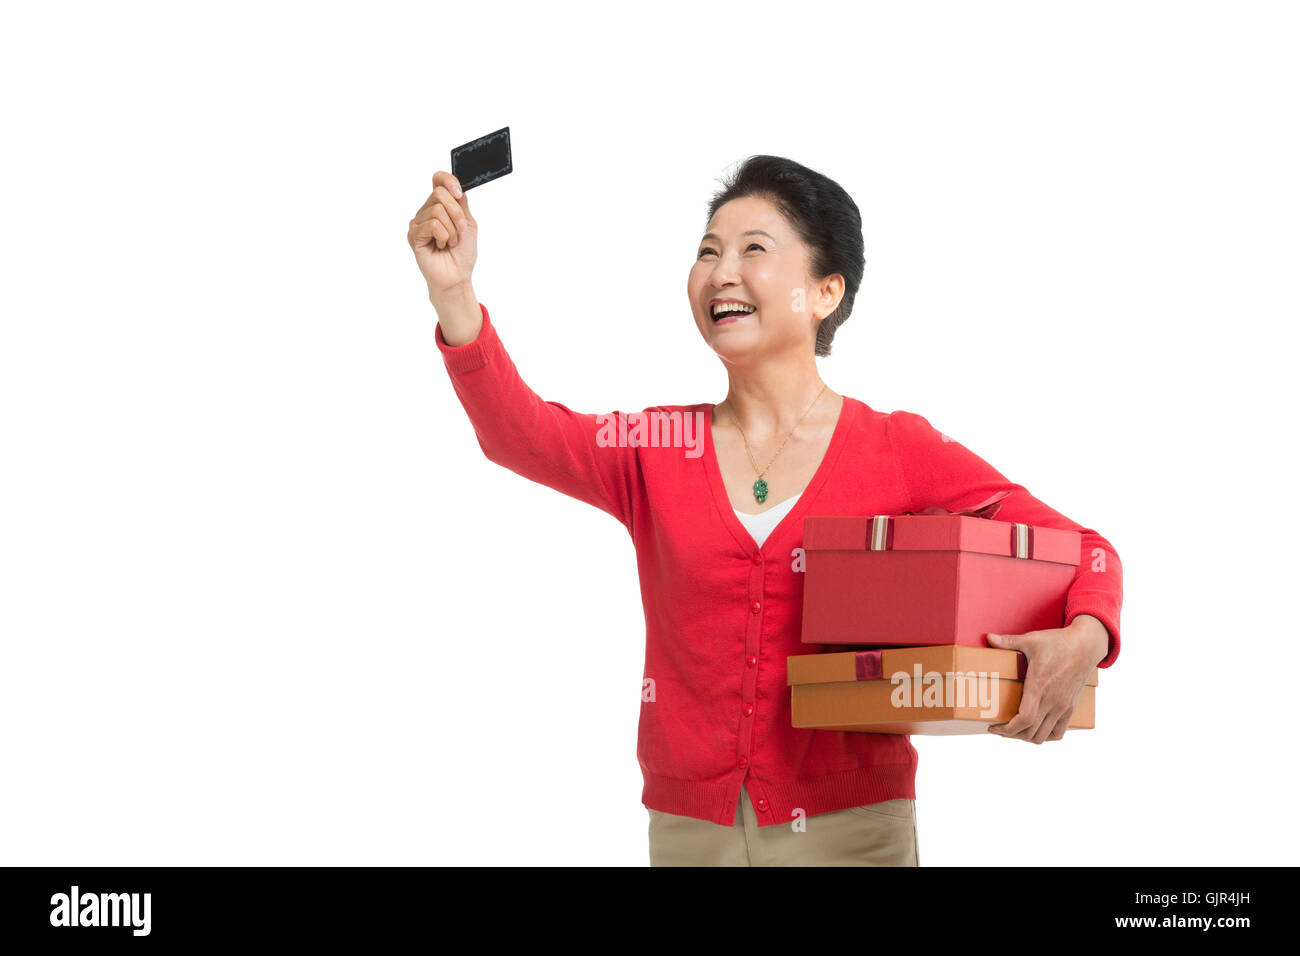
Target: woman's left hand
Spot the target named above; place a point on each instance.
(1060, 660)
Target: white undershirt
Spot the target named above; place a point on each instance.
(761, 525)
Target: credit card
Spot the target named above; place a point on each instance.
(482, 160)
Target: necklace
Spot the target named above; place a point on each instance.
(760, 486)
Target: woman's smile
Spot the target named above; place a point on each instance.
(730, 311)
(727, 310)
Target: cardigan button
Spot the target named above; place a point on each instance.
(749, 709)
(758, 558)
(761, 806)
(751, 661)
(744, 762)
(755, 607)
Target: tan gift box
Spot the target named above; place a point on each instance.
(940, 690)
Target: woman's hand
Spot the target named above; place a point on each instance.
(1059, 662)
(444, 237)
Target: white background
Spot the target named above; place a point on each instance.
(264, 600)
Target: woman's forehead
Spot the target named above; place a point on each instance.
(748, 213)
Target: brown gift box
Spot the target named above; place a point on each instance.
(939, 690)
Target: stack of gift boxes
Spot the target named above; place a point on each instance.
(912, 598)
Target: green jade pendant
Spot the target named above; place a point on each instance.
(760, 491)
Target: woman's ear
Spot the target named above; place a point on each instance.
(832, 292)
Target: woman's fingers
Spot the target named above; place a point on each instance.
(423, 235)
(1029, 716)
(436, 211)
(1036, 722)
(1062, 726)
(446, 211)
(439, 232)
(444, 251)
(1043, 730)
(464, 205)
(458, 207)
(447, 180)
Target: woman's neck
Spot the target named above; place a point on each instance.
(773, 400)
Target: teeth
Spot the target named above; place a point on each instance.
(731, 307)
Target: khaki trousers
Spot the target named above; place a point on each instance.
(878, 834)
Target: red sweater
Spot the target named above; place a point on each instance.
(722, 615)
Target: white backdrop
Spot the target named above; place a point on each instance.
(263, 599)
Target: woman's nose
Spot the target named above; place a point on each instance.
(724, 274)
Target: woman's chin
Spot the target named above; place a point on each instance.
(738, 347)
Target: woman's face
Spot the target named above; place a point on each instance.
(750, 254)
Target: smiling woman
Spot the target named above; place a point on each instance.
(727, 778)
(794, 234)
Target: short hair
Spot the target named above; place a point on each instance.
(823, 215)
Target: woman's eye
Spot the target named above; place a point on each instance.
(752, 245)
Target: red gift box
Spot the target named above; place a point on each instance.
(933, 577)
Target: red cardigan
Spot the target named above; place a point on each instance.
(722, 615)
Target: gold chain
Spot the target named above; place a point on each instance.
(783, 444)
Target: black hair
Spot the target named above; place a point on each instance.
(825, 217)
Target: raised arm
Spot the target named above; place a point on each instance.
(541, 440)
(936, 470)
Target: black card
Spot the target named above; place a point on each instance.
(483, 160)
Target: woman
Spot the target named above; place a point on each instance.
(717, 526)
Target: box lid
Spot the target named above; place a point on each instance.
(953, 532)
(881, 664)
